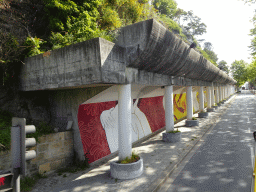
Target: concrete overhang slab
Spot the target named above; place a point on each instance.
(145, 53)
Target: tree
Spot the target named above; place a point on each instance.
(19, 23)
(249, 1)
(239, 71)
(194, 25)
(223, 66)
(178, 14)
(251, 72)
(208, 48)
(166, 7)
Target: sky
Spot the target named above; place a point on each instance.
(228, 25)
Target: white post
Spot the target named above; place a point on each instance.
(189, 98)
(201, 99)
(124, 122)
(208, 93)
(169, 121)
(220, 94)
(217, 95)
(223, 92)
(212, 96)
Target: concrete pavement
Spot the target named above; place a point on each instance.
(160, 159)
(224, 158)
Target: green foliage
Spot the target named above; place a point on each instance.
(171, 25)
(223, 66)
(42, 129)
(205, 55)
(75, 167)
(166, 7)
(118, 13)
(177, 130)
(251, 72)
(32, 46)
(132, 159)
(194, 25)
(212, 55)
(239, 71)
(72, 21)
(110, 19)
(253, 46)
(27, 183)
(5, 130)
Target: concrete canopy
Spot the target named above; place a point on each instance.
(145, 53)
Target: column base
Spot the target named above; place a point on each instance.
(192, 123)
(210, 109)
(203, 115)
(126, 171)
(172, 137)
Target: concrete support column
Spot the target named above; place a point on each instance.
(169, 121)
(208, 93)
(217, 95)
(189, 98)
(220, 93)
(212, 96)
(223, 93)
(201, 99)
(124, 121)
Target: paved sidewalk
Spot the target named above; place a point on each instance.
(224, 158)
(159, 159)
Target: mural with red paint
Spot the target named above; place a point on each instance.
(2, 179)
(98, 122)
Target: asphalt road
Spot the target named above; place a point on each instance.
(225, 158)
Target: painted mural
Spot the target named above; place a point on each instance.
(98, 122)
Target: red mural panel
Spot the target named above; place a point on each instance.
(2, 179)
(153, 109)
(93, 136)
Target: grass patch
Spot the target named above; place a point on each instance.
(74, 167)
(42, 129)
(5, 130)
(132, 159)
(27, 183)
(177, 131)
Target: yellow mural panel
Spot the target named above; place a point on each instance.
(179, 103)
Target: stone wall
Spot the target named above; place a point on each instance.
(53, 151)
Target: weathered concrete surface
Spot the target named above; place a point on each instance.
(151, 47)
(159, 159)
(64, 107)
(145, 53)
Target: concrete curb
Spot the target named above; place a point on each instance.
(169, 169)
(126, 171)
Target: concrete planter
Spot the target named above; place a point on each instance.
(210, 109)
(126, 171)
(219, 104)
(215, 107)
(192, 123)
(203, 115)
(172, 137)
